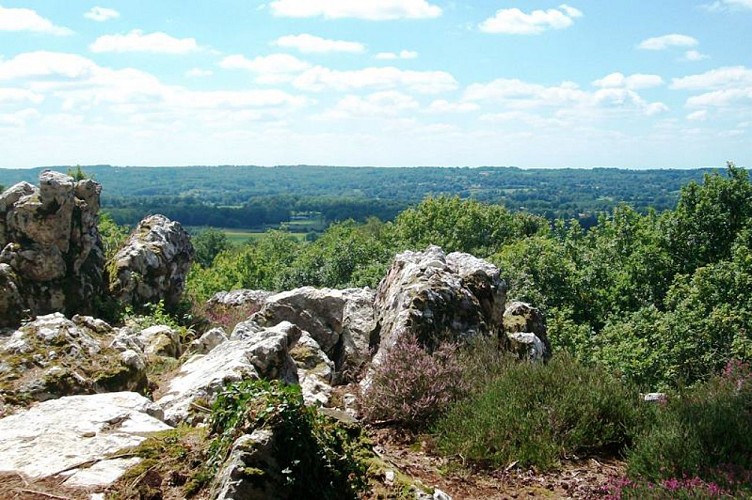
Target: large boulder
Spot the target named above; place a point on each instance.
(152, 265)
(340, 321)
(251, 353)
(73, 438)
(51, 246)
(437, 298)
(53, 356)
(526, 332)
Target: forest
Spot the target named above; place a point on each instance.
(261, 197)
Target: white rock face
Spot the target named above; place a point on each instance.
(526, 331)
(208, 341)
(71, 433)
(437, 297)
(160, 340)
(340, 321)
(264, 353)
(315, 370)
(153, 263)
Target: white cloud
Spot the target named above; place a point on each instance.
(725, 87)
(43, 63)
(12, 19)
(694, 55)
(387, 103)
(425, 82)
(633, 82)
(728, 5)
(516, 22)
(699, 116)
(567, 97)
(198, 73)
(444, 106)
(402, 54)
(307, 44)
(19, 95)
(137, 41)
(274, 68)
(101, 14)
(731, 76)
(374, 10)
(666, 41)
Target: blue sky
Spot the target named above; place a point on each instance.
(627, 83)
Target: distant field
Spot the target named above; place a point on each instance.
(240, 236)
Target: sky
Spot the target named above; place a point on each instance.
(533, 84)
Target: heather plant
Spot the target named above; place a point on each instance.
(702, 432)
(667, 489)
(534, 414)
(412, 387)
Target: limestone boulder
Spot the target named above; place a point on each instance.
(526, 332)
(251, 353)
(315, 370)
(72, 438)
(161, 340)
(53, 356)
(340, 321)
(437, 297)
(50, 241)
(207, 341)
(12, 305)
(152, 265)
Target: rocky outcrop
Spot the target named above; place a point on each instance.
(437, 298)
(53, 356)
(72, 438)
(152, 265)
(255, 451)
(51, 253)
(251, 353)
(340, 321)
(525, 328)
(315, 370)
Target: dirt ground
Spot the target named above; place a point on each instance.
(577, 478)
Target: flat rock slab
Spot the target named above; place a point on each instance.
(72, 436)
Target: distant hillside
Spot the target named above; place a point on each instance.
(250, 196)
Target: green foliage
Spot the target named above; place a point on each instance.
(113, 235)
(256, 265)
(459, 225)
(701, 433)
(317, 458)
(77, 173)
(535, 414)
(208, 243)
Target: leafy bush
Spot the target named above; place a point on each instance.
(534, 414)
(411, 386)
(701, 433)
(318, 457)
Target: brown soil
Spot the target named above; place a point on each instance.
(576, 478)
(16, 486)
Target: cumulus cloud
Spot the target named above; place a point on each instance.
(666, 41)
(274, 68)
(402, 54)
(516, 22)
(515, 94)
(724, 87)
(101, 14)
(700, 115)
(13, 95)
(319, 78)
(307, 44)
(12, 19)
(198, 73)
(694, 55)
(444, 106)
(44, 63)
(138, 41)
(720, 78)
(386, 103)
(633, 82)
(374, 10)
(726, 5)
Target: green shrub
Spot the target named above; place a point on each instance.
(704, 432)
(411, 386)
(535, 414)
(318, 457)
